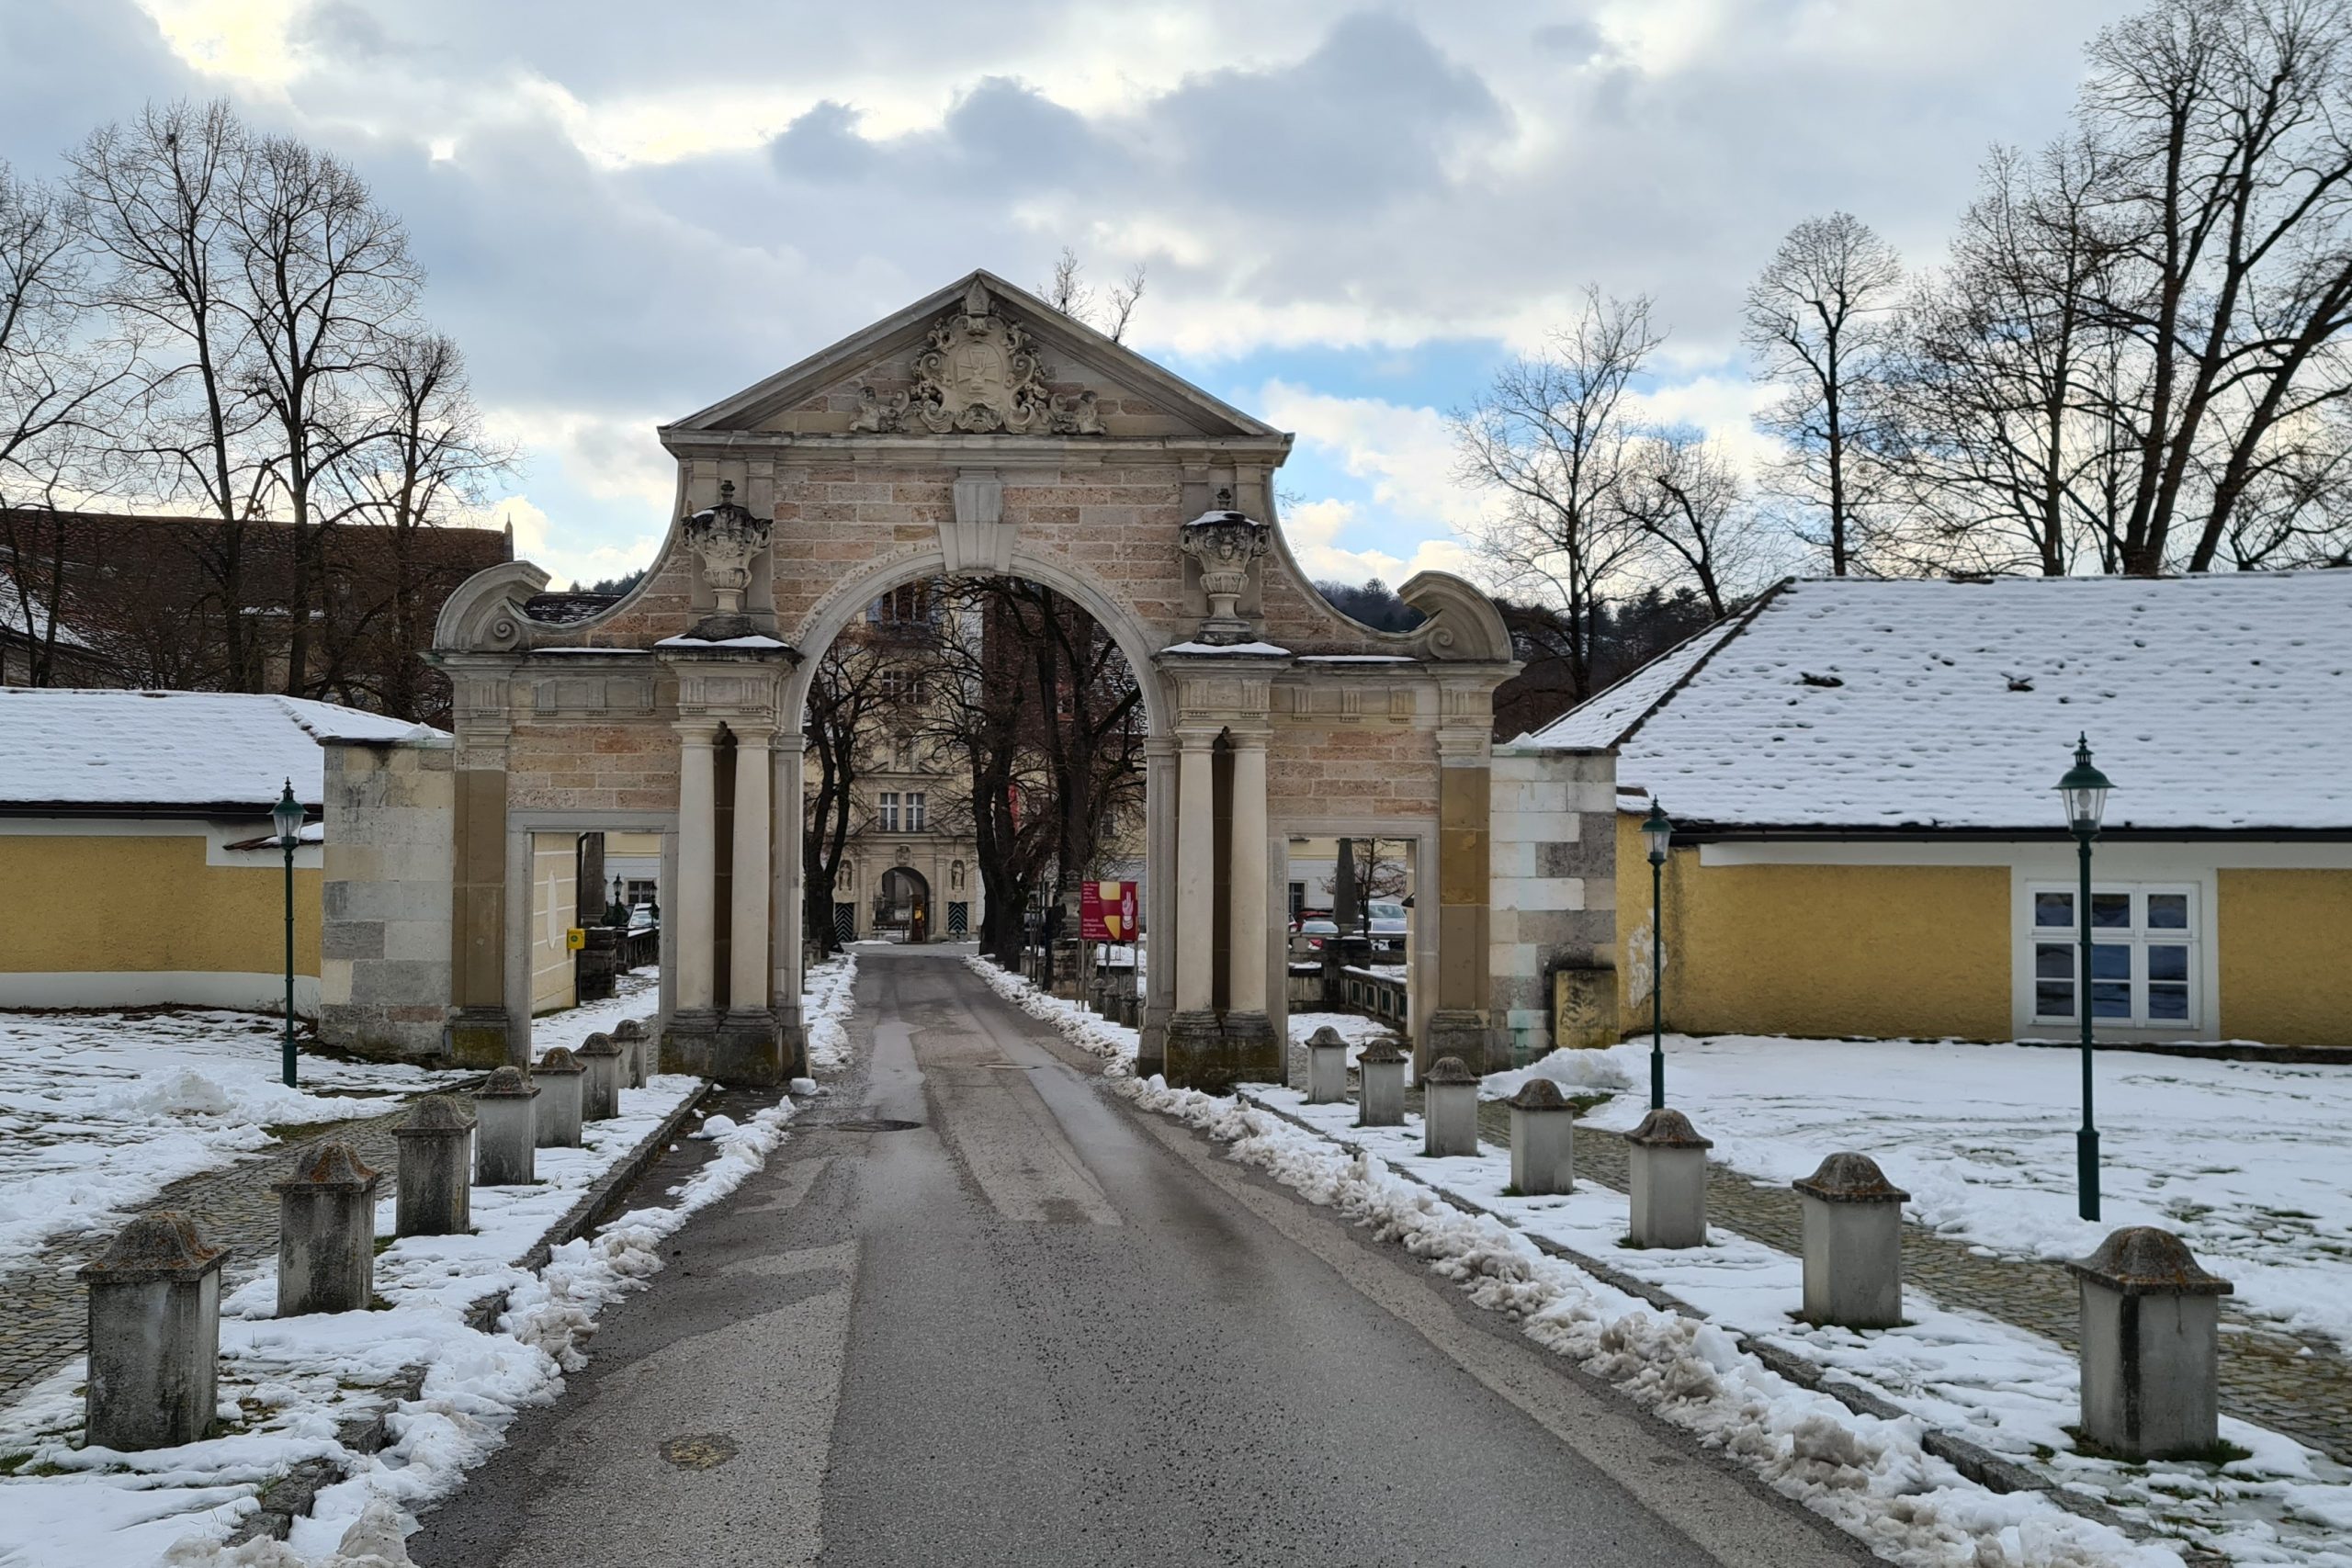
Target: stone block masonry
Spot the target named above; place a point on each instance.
(384, 974)
(1551, 858)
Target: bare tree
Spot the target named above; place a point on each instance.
(848, 698)
(2006, 433)
(328, 295)
(429, 460)
(56, 389)
(1553, 435)
(1687, 496)
(1819, 320)
(1068, 292)
(2224, 124)
(157, 196)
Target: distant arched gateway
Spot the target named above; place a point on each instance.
(978, 430)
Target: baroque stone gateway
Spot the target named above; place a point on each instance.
(978, 430)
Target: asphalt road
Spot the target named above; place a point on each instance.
(1039, 1329)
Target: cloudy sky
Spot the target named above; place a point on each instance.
(1348, 212)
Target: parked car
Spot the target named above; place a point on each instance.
(1309, 935)
(1388, 924)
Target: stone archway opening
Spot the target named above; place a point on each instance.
(1059, 458)
(902, 907)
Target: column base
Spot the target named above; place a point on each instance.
(688, 1039)
(1151, 1050)
(1206, 1052)
(478, 1037)
(747, 1050)
(1461, 1031)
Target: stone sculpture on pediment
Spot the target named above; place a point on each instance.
(725, 538)
(977, 374)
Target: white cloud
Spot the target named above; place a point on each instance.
(1407, 453)
(609, 456)
(1314, 529)
(564, 555)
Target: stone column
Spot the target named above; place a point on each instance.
(505, 1130)
(436, 1144)
(1246, 881)
(1159, 901)
(558, 1076)
(1195, 873)
(691, 908)
(600, 1085)
(1458, 1026)
(1853, 1244)
(1667, 1181)
(479, 1026)
(788, 755)
(746, 1049)
(2150, 1347)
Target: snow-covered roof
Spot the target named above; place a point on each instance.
(172, 749)
(2213, 702)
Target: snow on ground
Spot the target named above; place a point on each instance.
(1869, 1476)
(636, 993)
(1354, 1027)
(1114, 1043)
(100, 1111)
(2003, 1388)
(2243, 1160)
(286, 1382)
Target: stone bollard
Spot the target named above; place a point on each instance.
(1543, 1140)
(505, 1131)
(154, 1335)
(1381, 1071)
(1853, 1244)
(1666, 1161)
(2151, 1336)
(435, 1161)
(1449, 1109)
(1326, 1068)
(326, 1233)
(600, 1086)
(631, 1034)
(560, 1098)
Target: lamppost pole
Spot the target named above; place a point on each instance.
(286, 818)
(1658, 829)
(2084, 791)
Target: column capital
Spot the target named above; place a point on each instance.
(1196, 738)
(697, 731)
(1460, 746)
(752, 731)
(794, 740)
(1155, 746)
(1249, 738)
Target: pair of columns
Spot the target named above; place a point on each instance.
(695, 908)
(1245, 876)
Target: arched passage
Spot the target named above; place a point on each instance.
(1054, 456)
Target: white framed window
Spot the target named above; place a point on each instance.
(915, 806)
(2144, 954)
(890, 810)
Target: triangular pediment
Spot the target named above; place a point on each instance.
(981, 356)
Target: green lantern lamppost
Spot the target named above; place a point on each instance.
(1659, 831)
(2084, 789)
(286, 818)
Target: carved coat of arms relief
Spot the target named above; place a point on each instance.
(977, 374)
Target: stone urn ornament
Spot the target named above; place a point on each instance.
(1227, 545)
(725, 538)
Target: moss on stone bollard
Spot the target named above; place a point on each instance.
(506, 1130)
(2150, 1347)
(1853, 1244)
(433, 1196)
(154, 1335)
(562, 1096)
(326, 1233)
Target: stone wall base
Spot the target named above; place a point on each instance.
(689, 1042)
(747, 1051)
(479, 1037)
(1211, 1053)
(1463, 1032)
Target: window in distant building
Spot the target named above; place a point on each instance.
(914, 812)
(887, 817)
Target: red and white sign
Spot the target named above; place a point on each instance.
(1106, 911)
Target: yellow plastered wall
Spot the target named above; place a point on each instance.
(111, 903)
(2286, 951)
(1816, 950)
(555, 870)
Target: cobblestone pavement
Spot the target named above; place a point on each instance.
(2298, 1385)
(43, 1317)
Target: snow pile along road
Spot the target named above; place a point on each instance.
(288, 1386)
